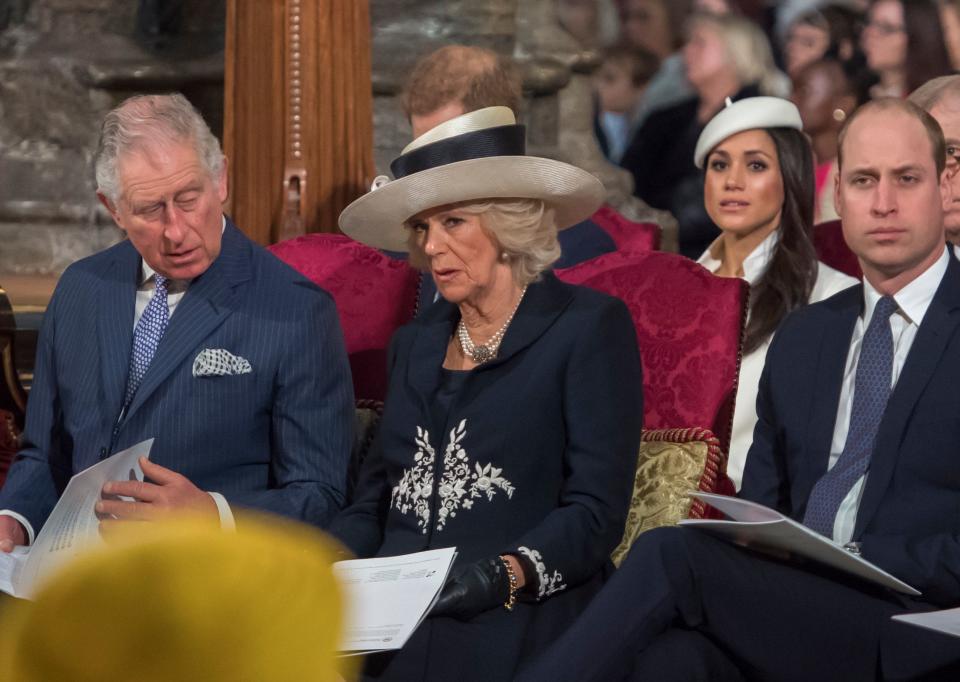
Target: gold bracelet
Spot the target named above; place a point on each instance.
(512, 579)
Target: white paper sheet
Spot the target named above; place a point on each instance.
(72, 527)
(763, 527)
(946, 621)
(387, 598)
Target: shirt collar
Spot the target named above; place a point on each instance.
(147, 273)
(914, 299)
(754, 265)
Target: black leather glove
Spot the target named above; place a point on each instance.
(473, 589)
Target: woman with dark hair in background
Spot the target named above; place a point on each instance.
(904, 44)
(758, 189)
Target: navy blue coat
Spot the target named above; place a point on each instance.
(536, 459)
(909, 517)
(276, 439)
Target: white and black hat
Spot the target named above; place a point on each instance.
(746, 114)
(479, 155)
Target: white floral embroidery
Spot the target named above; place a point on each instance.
(416, 486)
(459, 485)
(547, 583)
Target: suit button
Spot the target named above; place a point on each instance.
(103, 453)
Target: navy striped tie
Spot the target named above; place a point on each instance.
(870, 393)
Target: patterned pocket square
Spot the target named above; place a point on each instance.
(217, 362)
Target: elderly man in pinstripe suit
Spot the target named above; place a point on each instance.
(188, 333)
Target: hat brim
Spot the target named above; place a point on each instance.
(377, 218)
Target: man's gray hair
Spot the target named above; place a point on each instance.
(928, 95)
(149, 119)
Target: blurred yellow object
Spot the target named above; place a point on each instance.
(185, 601)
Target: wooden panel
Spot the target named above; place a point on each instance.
(298, 113)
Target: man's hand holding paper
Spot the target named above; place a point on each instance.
(164, 493)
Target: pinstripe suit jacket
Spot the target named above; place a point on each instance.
(277, 438)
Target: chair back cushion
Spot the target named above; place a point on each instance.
(689, 326)
(628, 235)
(374, 295)
(671, 464)
(832, 249)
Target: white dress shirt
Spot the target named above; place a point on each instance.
(828, 283)
(912, 301)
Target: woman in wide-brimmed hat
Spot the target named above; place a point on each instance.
(512, 421)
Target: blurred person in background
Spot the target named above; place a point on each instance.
(619, 85)
(726, 57)
(830, 31)
(658, 27)
(904, 45)
(825, 96)
(950, 23)
(593, 23)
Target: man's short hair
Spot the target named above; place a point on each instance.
(475, 76)
(148, 119)
(930, 125)
(928, 95)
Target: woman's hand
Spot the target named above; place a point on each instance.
(473, 589)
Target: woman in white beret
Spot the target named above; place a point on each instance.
(759, 190)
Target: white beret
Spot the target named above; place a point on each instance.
(746, 114)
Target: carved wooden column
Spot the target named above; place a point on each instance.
(297, 113)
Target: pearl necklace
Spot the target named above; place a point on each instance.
(487, 351)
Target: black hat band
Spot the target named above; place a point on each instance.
(509, 140)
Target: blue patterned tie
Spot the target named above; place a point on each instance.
(870, 393)
(146, 337)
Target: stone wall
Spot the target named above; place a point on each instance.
(65, 63)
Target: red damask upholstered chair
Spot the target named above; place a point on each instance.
(374, 295)
(628, 235)
(689, 326)
(833, 250)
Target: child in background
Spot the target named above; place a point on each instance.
(619, 84)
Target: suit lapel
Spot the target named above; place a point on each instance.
(541, 306)
(936, 330)
(115, 326)
(207, 303)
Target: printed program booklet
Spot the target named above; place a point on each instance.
(72, 527)
(759, 526)
(387, 598)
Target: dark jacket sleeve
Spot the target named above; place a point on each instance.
(603, 414)
(313, 418)
(660, 155)
(360, 525)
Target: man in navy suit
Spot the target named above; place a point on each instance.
(188, 333)
(857, 437)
